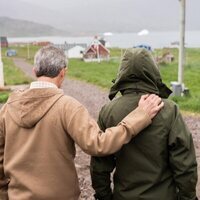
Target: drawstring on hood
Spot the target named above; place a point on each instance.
(28, 107)
(139, 72)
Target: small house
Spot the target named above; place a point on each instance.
(167, 57)
(96, 52)
(72, 50)
(4, 42)
(75, 52)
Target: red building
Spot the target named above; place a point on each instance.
(96, 52)
(4, 41)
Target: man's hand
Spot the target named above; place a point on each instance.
(151, 104)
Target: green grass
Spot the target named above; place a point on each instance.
(100, 74)
(103, 73)
(4, 96)
(22, 51)
(12, 74)
(169, 73)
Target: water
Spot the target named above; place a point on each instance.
(126, 40)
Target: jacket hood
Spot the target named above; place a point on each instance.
(28, 107)
(139, 72)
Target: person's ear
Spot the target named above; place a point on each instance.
(62, 73)
(34, 71)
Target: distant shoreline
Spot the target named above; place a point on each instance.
(123, 40)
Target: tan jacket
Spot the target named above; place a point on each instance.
(38, 128)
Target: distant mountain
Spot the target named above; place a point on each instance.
(91, 17)
(22, 28)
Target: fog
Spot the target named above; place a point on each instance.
(104, 15)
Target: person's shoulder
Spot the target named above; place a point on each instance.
(170, 106)
(3, 111)
(108, 107)
(68, 107)
(3, 108)
(118, 108)
(169, 112)
(69, 102)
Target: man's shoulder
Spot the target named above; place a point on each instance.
(117, 109)
(69, 101)
(168, 113)
(3, 109)
(112, 105)
(122, 102)
(170, 107)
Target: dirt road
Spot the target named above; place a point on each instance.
(93, 98)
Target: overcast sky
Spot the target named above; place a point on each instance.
(63, 4)
(117, 15)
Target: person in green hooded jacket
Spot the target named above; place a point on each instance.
(160, 163)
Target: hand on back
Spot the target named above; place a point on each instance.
(151, 104)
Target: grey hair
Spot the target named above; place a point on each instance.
(49, 61)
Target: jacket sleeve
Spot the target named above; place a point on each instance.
(87, 134)
(100, 170)
(3, 180)
(182, 159)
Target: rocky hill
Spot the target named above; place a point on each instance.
(22, 28)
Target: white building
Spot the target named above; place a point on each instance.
(75, 52)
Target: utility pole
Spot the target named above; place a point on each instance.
(178, 87)
(1, 69)
(181, 44)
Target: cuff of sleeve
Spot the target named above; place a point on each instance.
(137, 120)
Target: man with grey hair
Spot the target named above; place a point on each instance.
(39, 127)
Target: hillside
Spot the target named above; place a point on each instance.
(22, 28)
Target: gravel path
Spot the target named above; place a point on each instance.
(93, 98)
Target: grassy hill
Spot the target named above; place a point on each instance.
(22, 28)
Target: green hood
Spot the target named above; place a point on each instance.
(139, 72)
